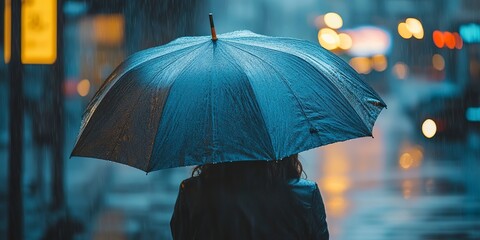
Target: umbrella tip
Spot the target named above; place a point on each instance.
(212, 28)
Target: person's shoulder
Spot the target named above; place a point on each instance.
(189, 183)
(303, 189)
(303, 184)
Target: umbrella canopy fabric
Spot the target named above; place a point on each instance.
(242, 97)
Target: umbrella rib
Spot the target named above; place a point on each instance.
(112, 80)
(253, 93)
(317, 70)
(166, 99)
(128, 115)
(284, 81)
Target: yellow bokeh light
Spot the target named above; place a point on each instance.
(403, 31)
(438, 62)
(328, 38)
(400, 70)
(405, 161)
(333, 20)
(83, 87)
(336, 206)
(345, 41)
(414, 26)
(108, 29)
(417, 155)
(361, 64)
(335, 184)
(429, 128)
(379, 63)
(418, 35)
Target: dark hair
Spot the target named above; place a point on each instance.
(273, 170)
(229, 195)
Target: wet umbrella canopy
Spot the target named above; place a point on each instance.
(240, 97)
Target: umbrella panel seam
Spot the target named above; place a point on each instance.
(314, 67)
(167, 97)
(289, 88)
(259, 108)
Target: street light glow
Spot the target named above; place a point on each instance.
(429, 128)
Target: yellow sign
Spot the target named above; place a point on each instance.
(7, 30)
(39, 31)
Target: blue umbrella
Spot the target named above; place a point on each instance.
(239, 97)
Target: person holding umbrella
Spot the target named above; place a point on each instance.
(240, 106)
(249, 200)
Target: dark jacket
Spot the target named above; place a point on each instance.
(221, 211)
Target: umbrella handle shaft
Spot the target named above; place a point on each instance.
(212, 28)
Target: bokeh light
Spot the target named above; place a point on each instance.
(333, 20)
(362, 65)
(429, 128)
(83, 87)
(328, 38)
(345, 41)
(369, 40)
(400, 70)
(405, 161)
(458, 40)
(438, 62)
(414, 26)
(438, 39)
(449, 40)
(403, 31)
(379, 63)
(417, 155)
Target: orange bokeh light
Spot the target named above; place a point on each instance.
(438, 39)
(458, 41)
(449, 40)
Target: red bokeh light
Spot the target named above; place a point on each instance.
(438, 39)
(458, 41)
(449, 40)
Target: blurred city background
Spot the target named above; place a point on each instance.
(416, 179)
